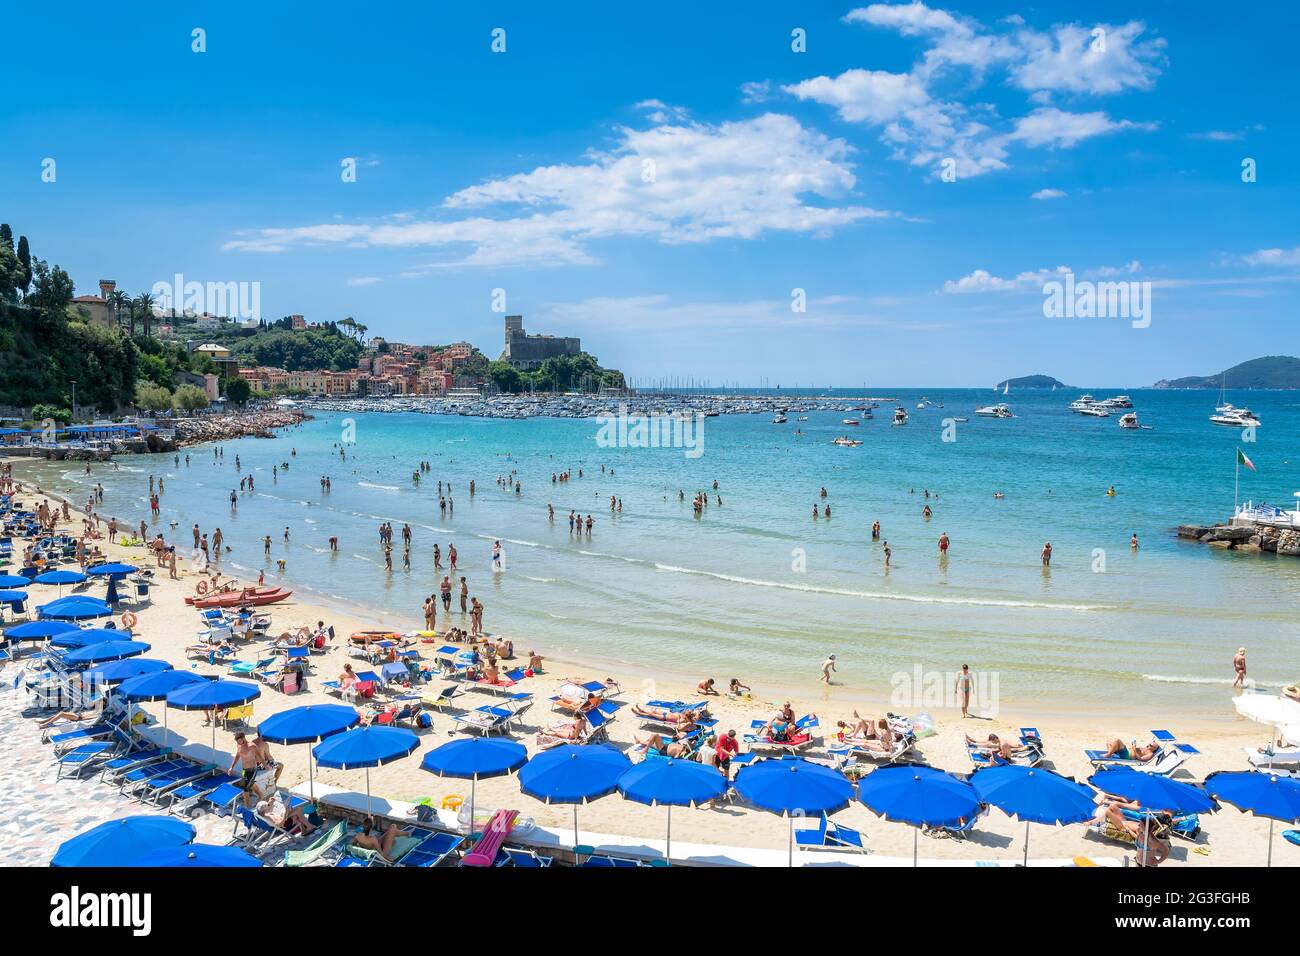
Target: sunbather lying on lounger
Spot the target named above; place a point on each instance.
(994, 745)
(277, 812)
(370, 839)
(655, 745)
(1117, 748)
(861, 728)
(570, 731)
(75, 716)
(682, 720)
(1152, 850)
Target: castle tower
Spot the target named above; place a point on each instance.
(106, 287)
(514, 327)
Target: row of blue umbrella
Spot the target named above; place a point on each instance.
(791, 786)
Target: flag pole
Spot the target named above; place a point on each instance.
(1236, 478)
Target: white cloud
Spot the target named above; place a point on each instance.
(671, 183)
(1043, 194)
(758, 92)
(983, 281)
(364, 280)
(923, 129)
(1274, 257)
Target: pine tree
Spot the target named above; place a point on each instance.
(25, 264)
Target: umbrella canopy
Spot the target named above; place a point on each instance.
(119, 842)
(1151, 791)
(472, 758)
(365, 747)
(793, 785)
(106, 651)
(573, 773)
(76, 607)
(475, 757)
(1291, 732)
(1034, 795)
(212, 693)
(309, 724)
(1261, 793)
(157, 686)
(11, 596)
(39, 630)
(59, 577)
(13, 581)
(1267, 708)
(671, 783)
(84, 637)
(112, 568)
(116, 672)
(919, 796)
(197, 855)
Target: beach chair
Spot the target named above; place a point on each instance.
(258, 832)
(504, 684)
(237, 718)
(156, 788)
(438, 699)
(129, 780)
(799, 740)
(1169, 757)
(79, 759)
(434, 850)
(1028, 754)
(244, 668)
(515, 856)
(403, 845)
(221, 800)
(113, 767)
(493, 717)
(319, 847)
(829, 836)
(187, 796)
(1272, 757)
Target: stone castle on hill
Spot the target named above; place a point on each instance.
(527, 352)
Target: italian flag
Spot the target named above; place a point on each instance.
(1243, 460)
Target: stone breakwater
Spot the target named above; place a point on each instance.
(1245, 537)
(196, 431)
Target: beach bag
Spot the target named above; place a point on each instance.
(424, 720)
(922, 726)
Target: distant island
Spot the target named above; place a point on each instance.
(1032, 381)
(1271, 371)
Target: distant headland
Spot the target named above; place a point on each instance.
(1032, 381)
(1270, 371)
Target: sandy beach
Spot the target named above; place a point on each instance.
(1228, 837)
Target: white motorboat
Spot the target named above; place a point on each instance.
(852, 421)
(1236, 418)
(1119, 401)
(846, 442)
(900, 416)
(1000, 410)
(1094, 411)
(1082, 402)
(1129, 420)
(778, 419)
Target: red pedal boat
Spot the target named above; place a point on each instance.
(240, 596)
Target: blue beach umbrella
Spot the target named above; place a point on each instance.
(1034, 795)
(105, 651)
(115, 672)
(672, 783)
(157, 686)
(1152, 792)
(59, 577)
(118, 842)
(13, 581)
(203, 855)
(365, 747)
(213, 694)
(919, 796)
(574, 774)
(12, 596)
(84, 637)
(76, 607)
(795, 787)
(112, 569)
(309, 724)
(475, 757)
(1262, 793)
(39, 630)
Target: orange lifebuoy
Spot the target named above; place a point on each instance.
(201, 587)
(128, 620)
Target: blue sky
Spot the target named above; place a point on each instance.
(658, 180)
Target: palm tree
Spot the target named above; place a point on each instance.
(118, 299)
(145, 302)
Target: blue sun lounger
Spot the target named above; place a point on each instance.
(829, 836)
(79, 759)
(530, 859)
(113, 767)
(186, 797)
(436, 849)
(132, 779)
(157, 787)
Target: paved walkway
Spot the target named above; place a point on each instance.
(40, 811)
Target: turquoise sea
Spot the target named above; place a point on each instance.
(756, 588)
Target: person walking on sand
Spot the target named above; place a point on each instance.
(1047, 554)
(1239, 665)
(828, 668)
(965, 688)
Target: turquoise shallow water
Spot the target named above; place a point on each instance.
(662, 591)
